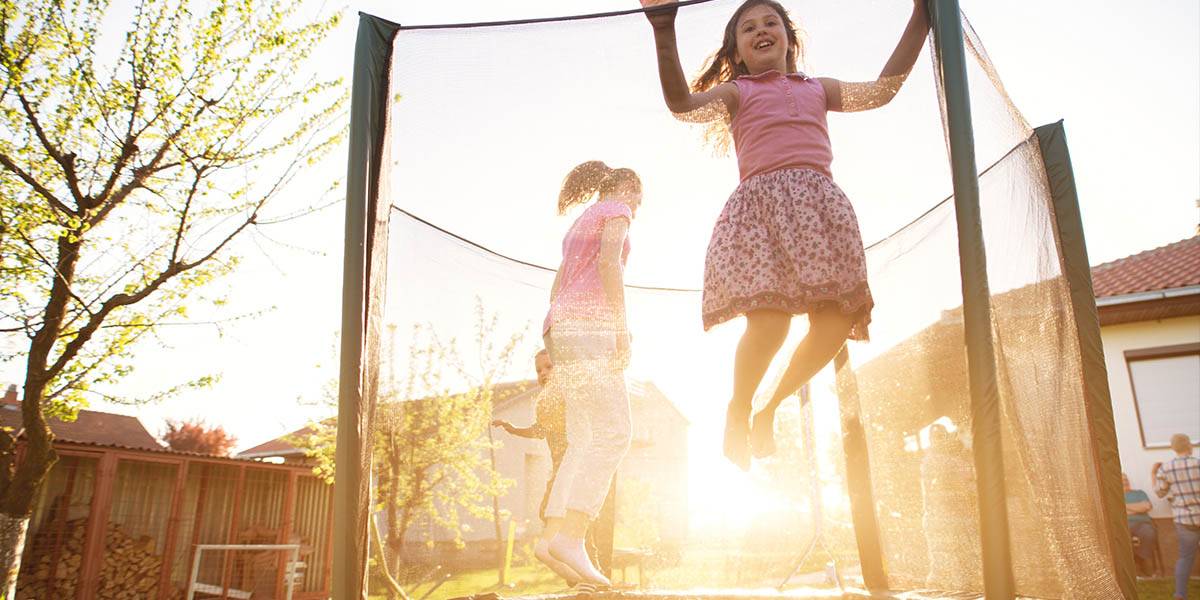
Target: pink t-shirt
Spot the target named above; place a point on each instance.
(581, 295)
(780, 123)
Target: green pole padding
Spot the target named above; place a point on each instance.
(981, 363)
(1052, 142)
(360, 301)
(858, 477)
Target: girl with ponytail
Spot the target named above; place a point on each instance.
(586, 334)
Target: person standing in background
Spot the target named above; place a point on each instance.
(1179, 482)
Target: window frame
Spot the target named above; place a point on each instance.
(1145, 354)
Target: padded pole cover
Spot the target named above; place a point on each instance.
(1052, 140)
(364, 267)
(981, 362)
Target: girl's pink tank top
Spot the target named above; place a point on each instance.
(581, 295)
(780, 124)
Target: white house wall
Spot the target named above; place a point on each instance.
(1136, 461)
(663, 465)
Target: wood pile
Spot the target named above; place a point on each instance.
(130, 570)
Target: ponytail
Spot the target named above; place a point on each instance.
(589, 179)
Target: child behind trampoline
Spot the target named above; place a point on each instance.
(787, 242)
(585, 331)
(549, 424)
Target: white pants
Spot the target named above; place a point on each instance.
(592, 381)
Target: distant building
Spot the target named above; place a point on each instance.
(1149, 306)
(655, 468)
(121, 516)
(90, 427)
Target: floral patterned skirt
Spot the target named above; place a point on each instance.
(787, 240)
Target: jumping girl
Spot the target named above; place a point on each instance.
(586, 334)
(787, 242)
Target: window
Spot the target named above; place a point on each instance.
(1166, 392)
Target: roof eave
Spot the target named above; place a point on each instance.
(1149, 306)
(1148, 296)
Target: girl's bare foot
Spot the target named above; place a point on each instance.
(762, 434)
(737, 436)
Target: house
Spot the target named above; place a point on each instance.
(1149, 312)
(655, 468)
(90, 427)
(121, 516)
(1149, 308)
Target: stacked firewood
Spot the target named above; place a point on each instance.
(130, 570)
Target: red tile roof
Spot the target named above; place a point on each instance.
(278, 446)
(1172, 266)
(91, 427)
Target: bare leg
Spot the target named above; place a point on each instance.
(765, 333)
(567, 547)
(541, 550)
(827, 333)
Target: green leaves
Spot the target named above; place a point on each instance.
(432, 449)
(130, 161)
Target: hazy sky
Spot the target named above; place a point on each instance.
(1125, 79)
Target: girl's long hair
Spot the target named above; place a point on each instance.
(590, 179)
(721, 67)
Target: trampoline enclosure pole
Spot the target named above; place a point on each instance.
(361, 291)
(985, 398)
(1052, 142)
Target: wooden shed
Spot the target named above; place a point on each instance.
(121, 517)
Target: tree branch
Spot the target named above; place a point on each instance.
(140, 174)
(59, 276)
(119, 300)
(37, 186)
(187, 207)
(65, 161)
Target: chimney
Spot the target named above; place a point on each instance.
(10, 395)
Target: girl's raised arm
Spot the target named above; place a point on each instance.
(853, 96)
(677, 93)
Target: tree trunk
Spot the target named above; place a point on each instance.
(23, 483)
(12, 544)
(391, 563)
(500, 547)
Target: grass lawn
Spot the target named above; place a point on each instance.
(522, 580)
(536, 580)
(1163, 589)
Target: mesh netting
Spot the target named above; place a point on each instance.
(485, 123)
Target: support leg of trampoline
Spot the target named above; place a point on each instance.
(818, 513)
(858, 477)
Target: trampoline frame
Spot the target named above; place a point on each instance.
(365, 263)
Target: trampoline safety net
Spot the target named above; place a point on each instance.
(474, 129)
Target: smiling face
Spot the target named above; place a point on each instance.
(762, 40)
